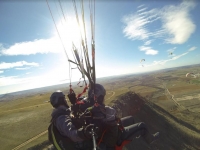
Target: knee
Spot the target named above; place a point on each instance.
(127, 118)
(141, 125)
(127, 121)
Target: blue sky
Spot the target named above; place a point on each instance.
(165, 33)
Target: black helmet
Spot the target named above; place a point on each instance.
(100, 92)
(58, 98)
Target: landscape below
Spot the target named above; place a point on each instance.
(167, 101)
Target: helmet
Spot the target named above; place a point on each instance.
(99, 91)
(57, 98)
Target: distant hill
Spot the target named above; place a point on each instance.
(42, 90)
(30, 92)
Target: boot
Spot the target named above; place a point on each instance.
(150, 138)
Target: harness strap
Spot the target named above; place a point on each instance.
(54, 139)
(102, 136)
(84, 90)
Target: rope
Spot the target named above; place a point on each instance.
(93, 50)
(75, 9)
(85, 47)
(60, 39)
(80, 65)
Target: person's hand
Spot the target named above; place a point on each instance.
(85, 133)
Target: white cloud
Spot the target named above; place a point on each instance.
(50, 77)
(162, 62)
(33, 47)
(68, 32)
(4, 65)
(8, 80)
(44, 46)
(24, 68)
(192, 48)
(135, 28)
(1, 46)
(178, 56)
(148, 42)
(140, 6)
(171, 49)
(148, 50)
(136, 24)
(177, 22)
(142, 9)
(1, 71)
(13, 80)
(171, 52)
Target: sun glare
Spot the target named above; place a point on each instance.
(70, 31)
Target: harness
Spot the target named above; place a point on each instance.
(52, 138)
(59, 141)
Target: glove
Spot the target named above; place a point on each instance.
(85, 133)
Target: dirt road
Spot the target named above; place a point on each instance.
(112, 94)
(30, 140)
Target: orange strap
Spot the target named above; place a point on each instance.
(102, 136)
(122, 145)
(84, 90)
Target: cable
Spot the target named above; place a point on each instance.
(60, 39)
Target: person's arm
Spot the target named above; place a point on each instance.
(110, 116)
(66, 128)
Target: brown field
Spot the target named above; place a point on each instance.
(24, 118)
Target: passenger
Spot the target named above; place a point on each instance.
(62, 132)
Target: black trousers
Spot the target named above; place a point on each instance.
(132, 129)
